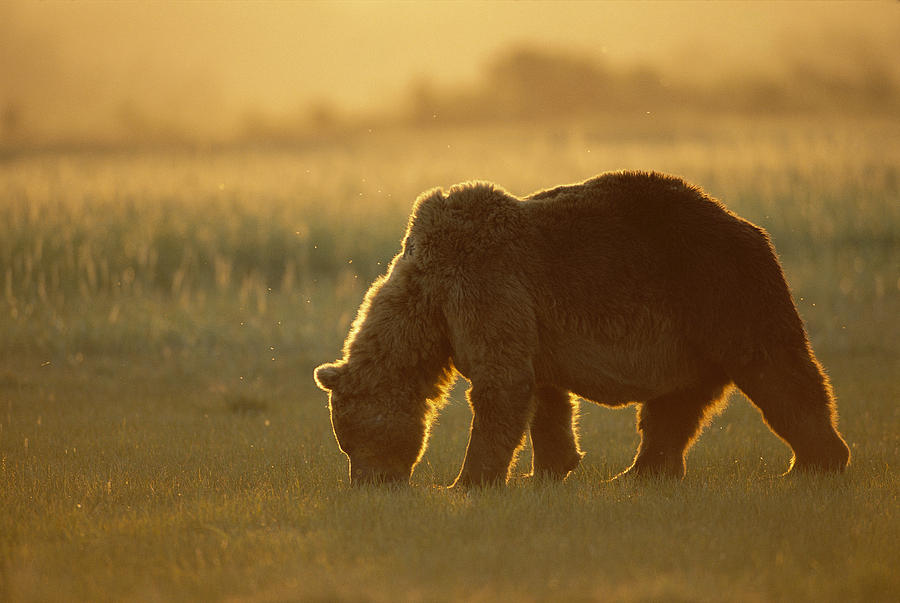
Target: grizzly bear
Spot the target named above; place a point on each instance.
(627, 288)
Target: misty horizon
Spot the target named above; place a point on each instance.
(92, 73)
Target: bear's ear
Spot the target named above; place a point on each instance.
(328, 375)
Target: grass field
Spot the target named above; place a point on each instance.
(161, 438)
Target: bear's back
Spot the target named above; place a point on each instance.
(649, 225)
(619, 252)
(656, 204)
(642, 217)
(654, 241)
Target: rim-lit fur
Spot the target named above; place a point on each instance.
(394, 375)
(630, 287)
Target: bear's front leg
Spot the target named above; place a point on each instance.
(554, 439)
(501, 413)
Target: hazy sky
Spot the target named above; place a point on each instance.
(219, 59)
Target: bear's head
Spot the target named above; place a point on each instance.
(382, 442)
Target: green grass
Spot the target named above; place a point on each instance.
(161, 437)
(136, 483)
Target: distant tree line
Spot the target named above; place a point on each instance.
(532, 83)
(523, 84)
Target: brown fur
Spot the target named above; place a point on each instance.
(629, 287)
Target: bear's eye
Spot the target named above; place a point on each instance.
(408, 248)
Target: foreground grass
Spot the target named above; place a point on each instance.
(126, 482)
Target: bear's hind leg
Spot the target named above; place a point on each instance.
(670, 424)
(795, 398)
(554, 440)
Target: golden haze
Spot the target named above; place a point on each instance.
(201, 71)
